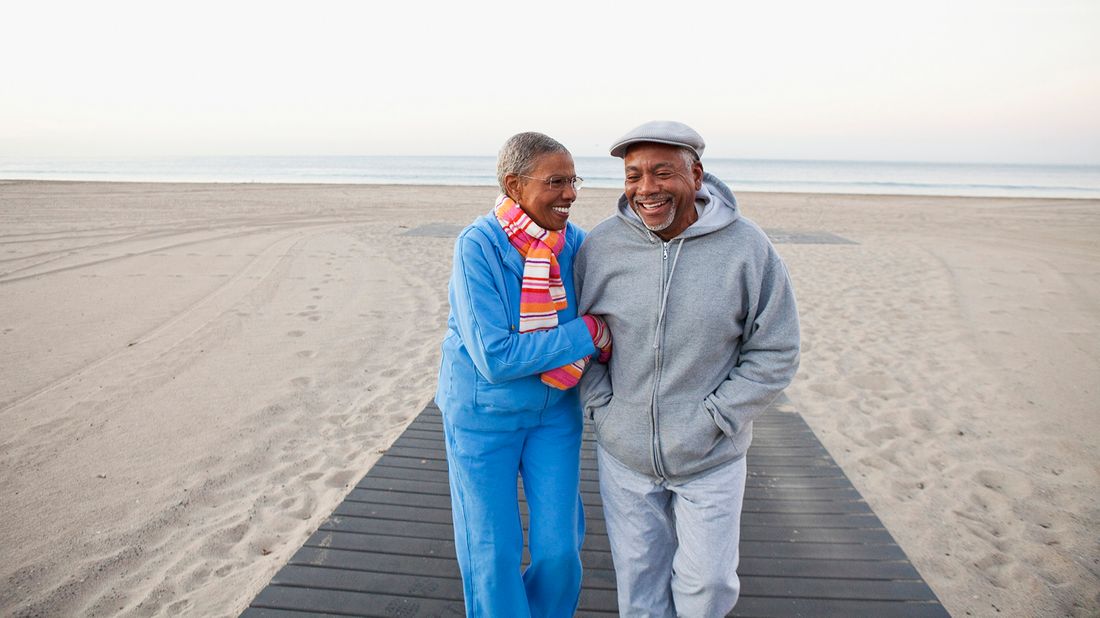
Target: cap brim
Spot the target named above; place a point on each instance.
(619, 150)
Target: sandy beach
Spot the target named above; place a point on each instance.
(194, 375)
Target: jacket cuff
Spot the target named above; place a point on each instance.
(577, 332)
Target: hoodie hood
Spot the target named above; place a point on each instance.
(715, 203)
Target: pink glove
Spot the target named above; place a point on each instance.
(601, 336)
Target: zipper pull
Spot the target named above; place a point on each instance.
(665, 250)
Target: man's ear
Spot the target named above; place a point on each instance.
(697, 174)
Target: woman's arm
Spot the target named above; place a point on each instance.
(496, 346)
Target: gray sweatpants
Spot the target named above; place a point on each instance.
(674, 544)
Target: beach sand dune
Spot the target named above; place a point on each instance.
(192, 378)
(950, 365)
(194, 375)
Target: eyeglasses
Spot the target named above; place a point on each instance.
(558, 183)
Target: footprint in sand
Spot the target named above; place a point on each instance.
(882, 434)
(828, 389)
(873, 381)
(340, 479)
(302, 381)
(306, 354)
(296, 333)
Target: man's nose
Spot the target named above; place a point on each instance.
(647, 185)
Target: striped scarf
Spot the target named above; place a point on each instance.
(542, 294)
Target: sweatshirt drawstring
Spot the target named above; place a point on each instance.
(664, 299)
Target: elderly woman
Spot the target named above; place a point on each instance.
(514, 349)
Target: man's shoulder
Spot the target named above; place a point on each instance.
(605, 230)
(745, 230)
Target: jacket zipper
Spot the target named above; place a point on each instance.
(658, 466)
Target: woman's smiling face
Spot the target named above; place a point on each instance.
(547, 207)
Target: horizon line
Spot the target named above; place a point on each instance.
(487, 156)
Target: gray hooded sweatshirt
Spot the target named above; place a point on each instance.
(705, 336)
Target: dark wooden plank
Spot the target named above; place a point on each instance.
(393, 527)
(263, 612)
(837, 569)
(436, 495)
(354, 603)
(370, 581)
(834, 588)
(380, 543)
(750, 606)
(821, 551)
(812, 520)
(425, 566)
(782, 534)
(810, 544)
(596, 553)
(795, 506)
(393, 512)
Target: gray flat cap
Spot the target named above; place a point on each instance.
(662, 132)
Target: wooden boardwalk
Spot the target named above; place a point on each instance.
(810, 545)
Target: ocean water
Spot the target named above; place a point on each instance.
(864, 177)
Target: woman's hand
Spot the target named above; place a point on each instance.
(601, 336)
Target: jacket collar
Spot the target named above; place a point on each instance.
(508, 254)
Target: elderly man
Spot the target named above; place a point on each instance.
(706, 336)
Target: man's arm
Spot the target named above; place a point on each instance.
(595, 386)
(769, 353)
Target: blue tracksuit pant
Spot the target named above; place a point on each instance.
(483, 468)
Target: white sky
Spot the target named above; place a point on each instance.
(963, 80)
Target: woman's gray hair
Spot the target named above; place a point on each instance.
(519, 154)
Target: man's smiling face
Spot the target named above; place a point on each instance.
(661, 185)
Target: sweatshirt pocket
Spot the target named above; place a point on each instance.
(688, 435)
(509, 397)
(624, 429)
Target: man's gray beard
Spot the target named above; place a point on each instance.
(660, 226)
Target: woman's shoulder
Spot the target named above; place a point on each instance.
(483, 230)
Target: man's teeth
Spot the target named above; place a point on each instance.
(651, 205)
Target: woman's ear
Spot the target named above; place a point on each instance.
(512, 184)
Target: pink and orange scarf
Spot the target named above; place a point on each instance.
(542, 294)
